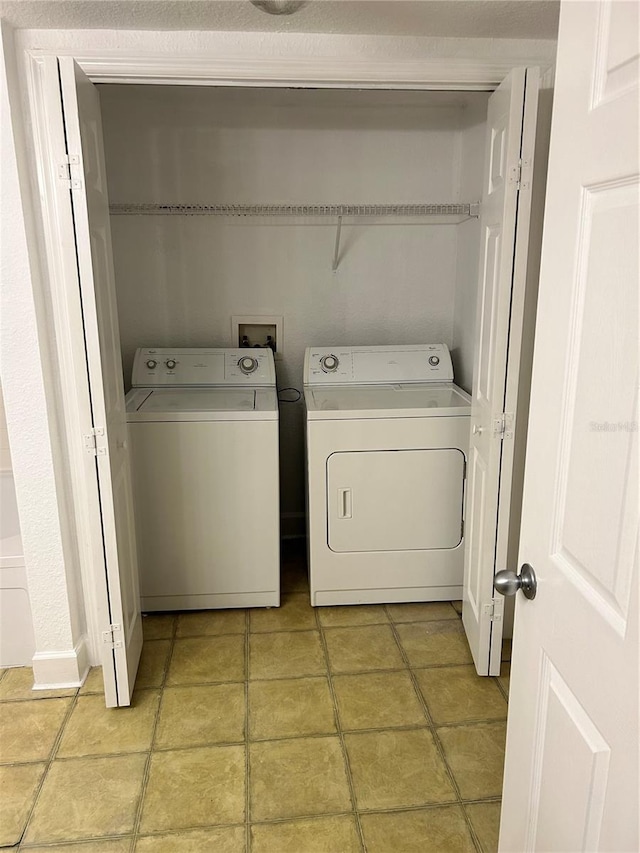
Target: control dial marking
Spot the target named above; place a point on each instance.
(248, 365)
(329, 363)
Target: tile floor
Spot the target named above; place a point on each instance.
(292, 730)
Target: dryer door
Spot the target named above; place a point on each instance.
(395, 500)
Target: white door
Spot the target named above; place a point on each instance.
(121, 642)
(505, 212)
(571, 777)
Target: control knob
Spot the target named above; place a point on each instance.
(329, 363)
(151, 364)
(171, 363)
(434, 361)
(248, 365)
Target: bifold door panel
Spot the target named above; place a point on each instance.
(395, 500)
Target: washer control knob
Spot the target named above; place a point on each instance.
(329, 363)
(151, 364)
(171, 363)
(434, 361)
(248, 365)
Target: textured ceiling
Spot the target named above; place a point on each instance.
(529, 19)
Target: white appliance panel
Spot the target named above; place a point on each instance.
(395, 500)
(161, 366)
(199, 400)
(207, 514)
(365, 365)
(387, 399)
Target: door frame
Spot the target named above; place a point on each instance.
(48, 139)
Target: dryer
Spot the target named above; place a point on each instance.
(387, 438)
(203, 429)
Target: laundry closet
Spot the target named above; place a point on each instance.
(346, 216)
(183, 273)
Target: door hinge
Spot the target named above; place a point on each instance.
(503, 425)
(113, 636)
(515, 176)
(91, 442)
(64, 171)
(494, 610)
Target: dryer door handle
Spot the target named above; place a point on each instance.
(345, 503)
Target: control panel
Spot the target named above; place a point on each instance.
(373, 365)
(155, 367)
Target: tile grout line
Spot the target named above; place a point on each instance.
(147, 768)
(247, 723)
(340, 733)
(436, 739)
(48, 763)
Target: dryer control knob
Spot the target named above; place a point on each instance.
(171, 363)
(329, 363)
(248, 365)
(151, 364)
(434, 361)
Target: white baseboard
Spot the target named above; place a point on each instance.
(56, 670)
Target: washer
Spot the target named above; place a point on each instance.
(387, 437)
(203, 428)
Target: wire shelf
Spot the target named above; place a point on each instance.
(309, 210)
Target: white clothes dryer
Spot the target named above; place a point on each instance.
(387, 437)
(203, 429)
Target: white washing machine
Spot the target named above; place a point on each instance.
(387, 438)
(203, 428)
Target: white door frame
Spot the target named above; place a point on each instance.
(46, 117)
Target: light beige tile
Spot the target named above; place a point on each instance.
(94, 729)
(434, 643)
(84, 798)
(120, 845)
(199, 660)
(456, 694)
(200, 715)
(18, 787)
(190, 788)
(360, 649)
(475, 754)
(296, 778)
(294, 614)
(422, 611)
(377, 700)
(18, 684)
(505, 675)
(153, 663)
(222, 839)
(290, 708)
(211, 623)
(396, 768)
(286, 655)
(437, 830)
(316, 835)
(485, 820)
(94, 682)
(29, 729)
(356, 614)
(158, 626)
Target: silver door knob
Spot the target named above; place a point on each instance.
(508, 583)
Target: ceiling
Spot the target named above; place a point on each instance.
(501, 19)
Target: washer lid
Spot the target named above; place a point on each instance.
(172, 404)
(387, 401)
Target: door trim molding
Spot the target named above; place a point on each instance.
(57, 226)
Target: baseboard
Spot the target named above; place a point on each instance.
(56, 670)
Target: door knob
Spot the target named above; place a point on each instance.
(508, 583)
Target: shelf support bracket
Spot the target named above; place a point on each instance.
(336, 251)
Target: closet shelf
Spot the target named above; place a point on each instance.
(364, 210)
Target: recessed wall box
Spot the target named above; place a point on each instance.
(258, 331)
